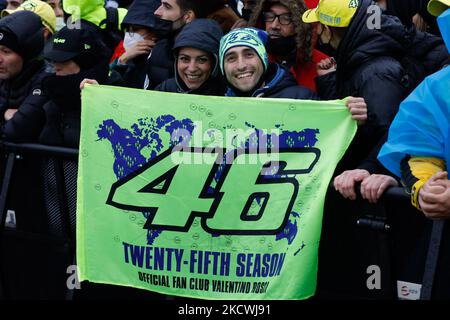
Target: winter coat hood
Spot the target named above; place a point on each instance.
(141, 12)
(203, 34)
(26, 26)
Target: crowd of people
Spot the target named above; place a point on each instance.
(388, 58)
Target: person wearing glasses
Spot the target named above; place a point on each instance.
(290, 39)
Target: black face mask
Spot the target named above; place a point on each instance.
(163, 28)
(325, 48)
(281, 46)
(246, 13)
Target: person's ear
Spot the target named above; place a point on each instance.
(189, 16)
(47, 34)
(327, 32)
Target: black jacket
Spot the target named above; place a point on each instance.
(130, 75)
(160, 63)
(25, 94)
(368, 66)
(279, 83)
(203, 34)
(63, 111)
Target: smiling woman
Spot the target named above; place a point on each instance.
(193, 67)
(196, 68)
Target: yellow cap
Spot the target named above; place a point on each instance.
(437, 7)
(333, 13)
(41, 8)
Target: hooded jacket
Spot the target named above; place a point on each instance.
(203, 34)
(27, 28)
(141, 12)
(132, 74)
(160, 63)
(24, 92)
(278, 83)
(304, 59)
(422, 125)
(368, 67)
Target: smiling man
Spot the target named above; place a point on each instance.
(245, 64)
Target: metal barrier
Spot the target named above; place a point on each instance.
(355, 234)
(391, 235)
(55, 182)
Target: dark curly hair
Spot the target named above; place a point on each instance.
(303, 30)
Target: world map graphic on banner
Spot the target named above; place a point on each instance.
(144, 137)
(205, 197)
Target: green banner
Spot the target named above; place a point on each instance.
(205, 197)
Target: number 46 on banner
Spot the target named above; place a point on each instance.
(228, 207)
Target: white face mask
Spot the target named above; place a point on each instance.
(131, 39)
(60, 23)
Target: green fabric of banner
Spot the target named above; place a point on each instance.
(205, 197)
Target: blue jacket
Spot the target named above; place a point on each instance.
(422, 125)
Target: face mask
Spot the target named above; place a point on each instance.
(325, 47)
(130, 41)
(163, 28)
(246, 13)
(60, 23)
(282, 46)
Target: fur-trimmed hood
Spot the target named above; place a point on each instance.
(303, 30)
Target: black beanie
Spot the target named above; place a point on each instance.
(27, 29)
(9, 40)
